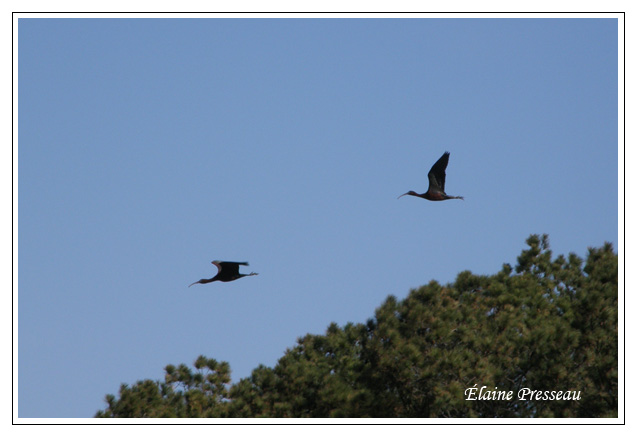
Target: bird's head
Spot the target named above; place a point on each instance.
(408, 193)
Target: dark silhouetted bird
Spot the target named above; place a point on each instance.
(436, 177)
(227, 271)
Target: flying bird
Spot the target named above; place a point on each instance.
(436, 177)
(227, 271)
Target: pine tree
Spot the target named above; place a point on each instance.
(547, 324)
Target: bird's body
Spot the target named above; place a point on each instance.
(227, 271)
(436, 177)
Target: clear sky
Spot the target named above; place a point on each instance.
(150, 147)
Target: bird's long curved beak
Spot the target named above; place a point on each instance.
(193, 284)
(401, 195)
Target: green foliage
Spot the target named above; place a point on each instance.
(185, 393)
(551, 325)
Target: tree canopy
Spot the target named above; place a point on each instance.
(549, 325)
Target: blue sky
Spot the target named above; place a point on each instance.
(150, 147)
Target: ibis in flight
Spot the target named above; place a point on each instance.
(227, 271)
(436, 177)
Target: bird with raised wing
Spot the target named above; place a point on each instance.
(436, 177)
(227, 271)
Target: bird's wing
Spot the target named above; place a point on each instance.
(437, 174)
(230, 267)
(218, 264)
